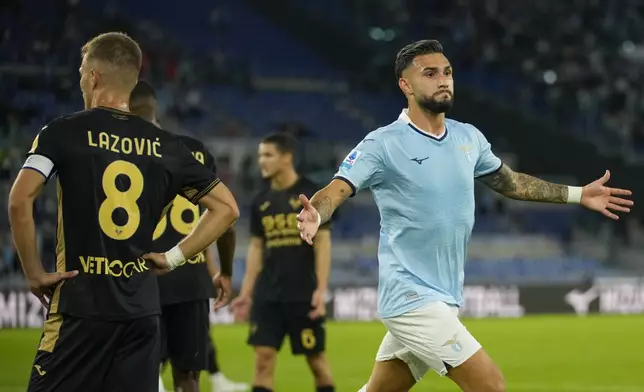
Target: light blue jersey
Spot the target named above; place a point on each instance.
(424, 189)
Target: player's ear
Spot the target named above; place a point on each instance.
(405, 86)
(287, 157)
(93, 78)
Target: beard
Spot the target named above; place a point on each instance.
(434, 106)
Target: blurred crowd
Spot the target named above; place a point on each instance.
(577, 61)
(44, 58)
(40, 61)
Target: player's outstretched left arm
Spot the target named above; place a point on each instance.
(594, 196)
(26, 188)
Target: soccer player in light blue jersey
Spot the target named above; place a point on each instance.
(421, 170)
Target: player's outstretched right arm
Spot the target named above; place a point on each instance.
(329, 198)
(324, 202)
(320, 208)
(362, 168)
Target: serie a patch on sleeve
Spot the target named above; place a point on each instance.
(350, 160)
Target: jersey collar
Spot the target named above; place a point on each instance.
(405, 117)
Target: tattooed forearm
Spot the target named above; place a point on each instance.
(521, 186)
(324, 205)
(328, 199)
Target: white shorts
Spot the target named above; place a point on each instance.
(428, 337)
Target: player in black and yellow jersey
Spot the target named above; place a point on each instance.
(116, 174)
(185, 293)
(286, 279)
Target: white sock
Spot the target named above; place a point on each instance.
(363, 389)
(218, 378)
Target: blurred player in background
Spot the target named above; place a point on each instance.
(286, 279)
(421, 170)
(185, 293)
(116, 173)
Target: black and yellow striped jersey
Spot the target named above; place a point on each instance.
(116, 176)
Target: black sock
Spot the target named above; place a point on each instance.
(327, 388)
(261, 389)
(213, 365)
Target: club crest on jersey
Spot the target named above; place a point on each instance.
(466, 148)
(351, 159)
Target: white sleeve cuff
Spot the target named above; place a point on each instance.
(39, 163)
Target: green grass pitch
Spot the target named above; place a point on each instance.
(547, 353)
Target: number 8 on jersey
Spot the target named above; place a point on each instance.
(126, 200)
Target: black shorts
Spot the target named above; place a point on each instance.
(87, 355)
(271, 321)
(184, 335)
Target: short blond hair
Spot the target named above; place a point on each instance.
(118, 51)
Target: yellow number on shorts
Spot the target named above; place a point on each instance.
(308, 338)
(121, 199)
(179, 206)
